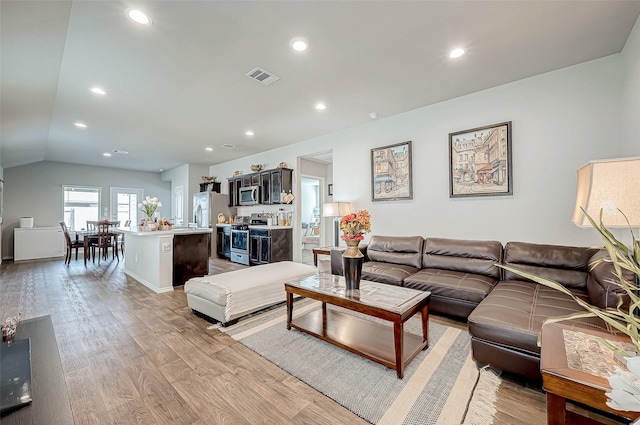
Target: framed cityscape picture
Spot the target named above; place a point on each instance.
(391, 178)
(480, 161)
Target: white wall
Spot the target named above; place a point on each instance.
(1, 177)
(561, 120)
(631, 92)
(36, 190)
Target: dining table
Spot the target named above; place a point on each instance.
(88, 234)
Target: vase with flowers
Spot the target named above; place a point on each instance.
(354, 226)
(149, 206)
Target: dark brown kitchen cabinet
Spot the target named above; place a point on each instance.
(281, 182)
(234, 191)
(273, 183)
(270, 245)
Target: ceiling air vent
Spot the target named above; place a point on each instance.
(262, 76)
(120, 151)
(227, 146)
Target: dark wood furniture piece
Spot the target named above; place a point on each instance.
(210, 187)
(104, 239)
(72, 244)
(389, 346)
(563, 382)
(190, 257)
(272, 183)
(270, 245)
(323, 250)
(50, 403)
(90, 238)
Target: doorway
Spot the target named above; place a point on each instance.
(311, 232)
(124, 204)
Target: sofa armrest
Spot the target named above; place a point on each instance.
(336, 258)
(601, 284)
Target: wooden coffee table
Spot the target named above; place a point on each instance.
(387, 345)
(568, 374)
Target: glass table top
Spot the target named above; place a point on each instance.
(381, 295)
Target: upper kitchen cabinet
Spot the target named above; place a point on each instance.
(272, 184)
(281, 182)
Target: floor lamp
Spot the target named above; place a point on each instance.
(335, 210)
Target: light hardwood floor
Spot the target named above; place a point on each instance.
(134, 357)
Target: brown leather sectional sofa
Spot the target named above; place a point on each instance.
(505, 311)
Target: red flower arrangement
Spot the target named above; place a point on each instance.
(355, 225)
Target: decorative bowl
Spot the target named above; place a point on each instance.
(256, 167)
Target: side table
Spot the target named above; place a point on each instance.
(324, 250)
(585, 382)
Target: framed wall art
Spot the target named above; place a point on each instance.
(480, 161)
(391, 175)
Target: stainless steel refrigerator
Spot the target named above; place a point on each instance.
(206, 208)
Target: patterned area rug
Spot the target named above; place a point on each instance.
(437, 387)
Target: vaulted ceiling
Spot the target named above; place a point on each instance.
(178, 86)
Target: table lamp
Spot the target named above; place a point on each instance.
(609, 185)
(335, 210)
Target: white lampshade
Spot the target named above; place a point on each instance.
(611, 185)
(336, 209)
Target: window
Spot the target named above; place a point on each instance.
(80, 204)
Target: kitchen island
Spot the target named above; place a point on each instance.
(163, 259)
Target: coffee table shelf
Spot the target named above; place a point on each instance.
(387, 345)
(366, 338)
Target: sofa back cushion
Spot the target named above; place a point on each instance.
(405, 250)
(566, 265)
(478, 257)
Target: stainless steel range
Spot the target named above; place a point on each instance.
(240, 243)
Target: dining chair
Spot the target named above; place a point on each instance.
(103, 242)
(71, 244)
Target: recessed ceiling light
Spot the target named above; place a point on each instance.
(98, 91)
(107, 154)
(80, 124)
(161, 169)
(138, 16)
(299, 44)
(249, 133)
(456, 53)
(208, 149)
(321, 106)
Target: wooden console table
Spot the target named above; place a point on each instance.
(564, 381)
(50, 403)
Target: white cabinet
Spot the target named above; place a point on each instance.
(38, 242)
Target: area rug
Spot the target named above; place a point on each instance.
(436, 389)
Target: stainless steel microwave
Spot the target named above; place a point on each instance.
(250, 195)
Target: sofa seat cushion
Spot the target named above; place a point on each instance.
(513, 313)
(461, 286)
(390, 273)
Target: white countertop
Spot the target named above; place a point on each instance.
(135, 230)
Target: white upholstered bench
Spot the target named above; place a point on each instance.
(227, 296)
